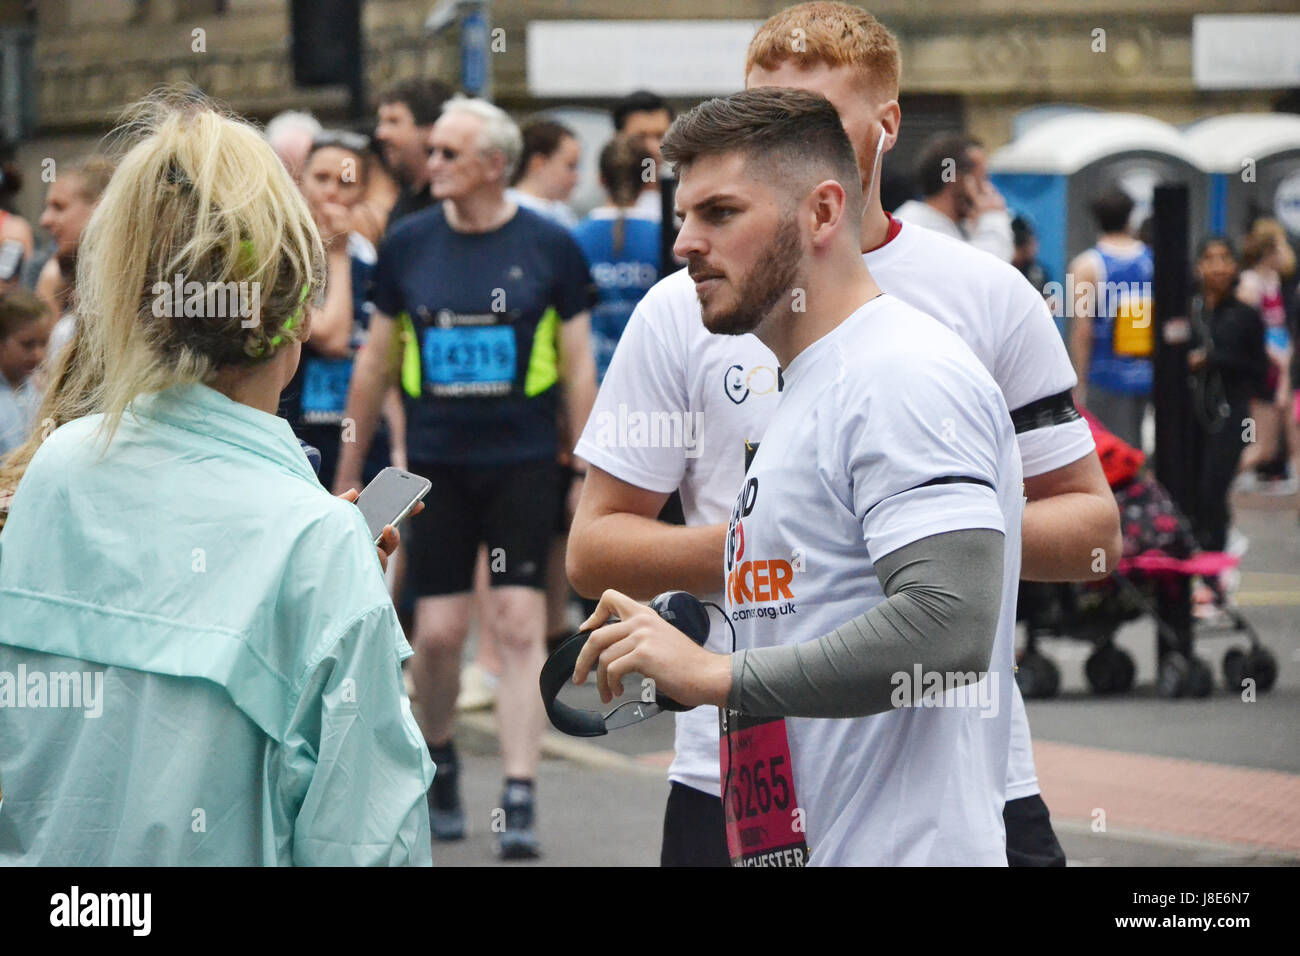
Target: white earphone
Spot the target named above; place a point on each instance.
(875, 164)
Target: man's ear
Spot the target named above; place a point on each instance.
(890, 118)
(497, 164)
(828, 211)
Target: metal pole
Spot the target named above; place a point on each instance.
(1177, 436)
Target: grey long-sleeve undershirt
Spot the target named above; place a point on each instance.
(943, 595)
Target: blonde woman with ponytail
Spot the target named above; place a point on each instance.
(172, 568)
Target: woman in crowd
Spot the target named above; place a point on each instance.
(223, 617)
(69, 204)
(547, 171)
(1229, 365)
(333, 182)
(622, 249)
(1267, 261)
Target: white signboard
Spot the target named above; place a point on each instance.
(1246, 52)
(614, 57)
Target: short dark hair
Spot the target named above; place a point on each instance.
(793, 133)
(641, 101)
(424, 98)
(542, 137)
(1216, 239)
(1112, 209)
(1021, 231)
(943, 156)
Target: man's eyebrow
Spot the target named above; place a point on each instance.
(713, 199)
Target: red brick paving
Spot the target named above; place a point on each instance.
(1188, 798)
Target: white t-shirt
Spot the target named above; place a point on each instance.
(668, 363)
(649, 205)
(555, 210)
(989, 231)
(888, 431)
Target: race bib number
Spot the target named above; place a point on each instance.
(1134, 332)
(325, 389)
(470, 360)
(765, 825)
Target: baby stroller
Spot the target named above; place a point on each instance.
(1160, 558)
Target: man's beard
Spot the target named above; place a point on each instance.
(774, 273)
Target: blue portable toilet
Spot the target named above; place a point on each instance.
(1052, 172)
(1253, 160)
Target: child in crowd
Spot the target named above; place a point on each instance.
(24, 332)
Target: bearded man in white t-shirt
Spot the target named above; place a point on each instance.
(726, 389)
(873, 552)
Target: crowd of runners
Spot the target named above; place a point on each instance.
(881, 440)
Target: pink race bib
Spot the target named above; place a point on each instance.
(765, 825)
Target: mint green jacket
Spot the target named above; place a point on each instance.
(199, 661)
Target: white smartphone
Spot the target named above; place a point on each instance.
(389, 498)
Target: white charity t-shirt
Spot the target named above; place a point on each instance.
(888, 431)
(724, 387)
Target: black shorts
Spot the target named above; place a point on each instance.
(1031, 841)
(564, 478)
(695, 833)
(508, 508)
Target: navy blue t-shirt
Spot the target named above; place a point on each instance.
(486, 310)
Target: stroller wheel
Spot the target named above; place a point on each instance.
(1234, 669)
(1171, 675)
(1262, 665)
(1200, 678)
(1109, 670)
(1037, 676)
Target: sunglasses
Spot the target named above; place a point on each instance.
(345, 139)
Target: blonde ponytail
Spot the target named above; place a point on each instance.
(199, 256)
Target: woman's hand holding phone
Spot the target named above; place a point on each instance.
(391, 539)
